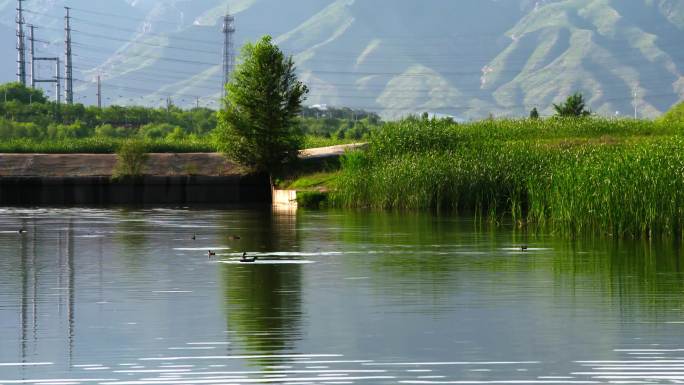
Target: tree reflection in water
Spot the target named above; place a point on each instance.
(263, 302)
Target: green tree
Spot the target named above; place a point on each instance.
(258, 126)
(674, 114)
(131, 158)
(534, 114)
(574, 106)
(20, 93)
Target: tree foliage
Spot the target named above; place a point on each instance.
(534, 114)
(574, 106)
(20, 93)
(131, 157)
(674, 114)
(258, 126)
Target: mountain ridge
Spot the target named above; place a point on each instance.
(468, 59)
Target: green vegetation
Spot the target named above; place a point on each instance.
(574, 107)
(617, 177)
(258, 127)
(31, 124)
(131, 157)
(102, 145)
(315, 181)
(311, 199)
(534, 114)
(674, 115)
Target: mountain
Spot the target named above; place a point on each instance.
(465, 58)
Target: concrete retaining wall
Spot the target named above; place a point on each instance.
(286, 198)
(97, 190)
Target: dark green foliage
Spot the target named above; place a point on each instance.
(338, 129)
(48, 121)
(534, 114)
(131, 157)
(340, 114)
(16, 92)
(311, 199)
(574, 107)
(258, 126)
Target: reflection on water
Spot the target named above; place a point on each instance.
(263, 301)
(128, 297)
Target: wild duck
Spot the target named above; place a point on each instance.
(248, 260)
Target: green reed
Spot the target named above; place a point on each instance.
(616, 177)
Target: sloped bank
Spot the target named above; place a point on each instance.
(86, 179)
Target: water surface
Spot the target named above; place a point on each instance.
(127, 297)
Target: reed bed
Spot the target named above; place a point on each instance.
(621, 178)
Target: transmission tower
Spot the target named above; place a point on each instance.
(228, 48)
(68, 63)
(32, 55)
(32, 61)
(21, 47)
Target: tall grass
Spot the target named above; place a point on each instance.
(616, 177)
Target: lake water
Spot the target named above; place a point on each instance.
(126, 297)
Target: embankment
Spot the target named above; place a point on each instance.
(173, 179)
(86, 179)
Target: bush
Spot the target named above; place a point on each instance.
(674, 115)
(311, 199)
(131, 158)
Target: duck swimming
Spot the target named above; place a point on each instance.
(523, 248)
(248, 260)
(211, 254)
(22, 231)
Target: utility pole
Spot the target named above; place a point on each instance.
(58, 83)
(228, 43)
(32, 55)
(68, 65)
(99, 92)
(21, 48)
(635, 104)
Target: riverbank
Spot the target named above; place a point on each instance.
(621, 178)
(168, 178)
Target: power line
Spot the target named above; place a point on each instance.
(146, 33)
(161, 58)
(138, 42)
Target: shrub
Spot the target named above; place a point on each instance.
(311, 199)
(131, 158)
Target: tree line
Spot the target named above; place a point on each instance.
(27, 113)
